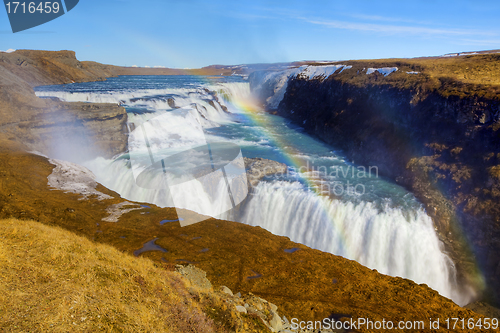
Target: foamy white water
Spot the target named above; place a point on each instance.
(390, 240)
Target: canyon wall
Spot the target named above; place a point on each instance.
(47, 125)
(439, 142)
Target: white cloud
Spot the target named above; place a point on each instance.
(384, 18)
(392, 29)
(492, 42)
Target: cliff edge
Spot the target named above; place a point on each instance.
(50, 126)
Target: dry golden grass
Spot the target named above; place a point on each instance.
(52, 280)
(462, 76)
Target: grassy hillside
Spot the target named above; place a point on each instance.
(450, 76)
(53, 280)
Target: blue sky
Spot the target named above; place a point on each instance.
(195, 33)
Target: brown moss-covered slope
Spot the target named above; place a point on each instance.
(51, 67)
(55, 281)
(307, 284)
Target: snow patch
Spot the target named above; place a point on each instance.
(412, 72)
(36, 152)
(8, 51)
(117, 210)
(345, 67)
(73, 178)
(384, 70)
(311, 72)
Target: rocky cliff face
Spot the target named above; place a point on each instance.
(50, 126)
(445, 148)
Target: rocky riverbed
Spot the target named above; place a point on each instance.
(258, 168)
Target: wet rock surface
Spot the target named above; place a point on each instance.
(258, 168)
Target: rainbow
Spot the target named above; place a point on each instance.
(253, 113)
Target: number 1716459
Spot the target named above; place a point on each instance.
(46, 7)
(464, 324)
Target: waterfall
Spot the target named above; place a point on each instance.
(398, 241)
(393, 241)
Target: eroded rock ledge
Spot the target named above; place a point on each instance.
(258, 168)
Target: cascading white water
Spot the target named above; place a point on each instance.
(394, 240)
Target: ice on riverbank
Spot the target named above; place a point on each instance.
(74, 178)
